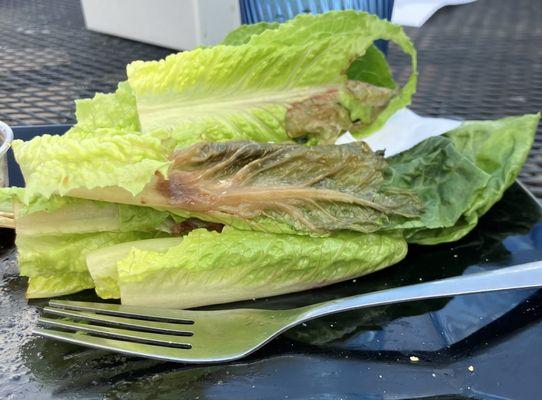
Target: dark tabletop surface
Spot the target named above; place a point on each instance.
(482, 60)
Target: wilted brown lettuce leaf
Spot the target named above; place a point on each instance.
(348, 107)
(310, 189)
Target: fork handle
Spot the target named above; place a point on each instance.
(517, 277)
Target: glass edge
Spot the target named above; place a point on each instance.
(7, 134)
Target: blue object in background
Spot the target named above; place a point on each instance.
(253, 11)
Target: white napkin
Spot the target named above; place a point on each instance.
(417, 12)
(404, 130)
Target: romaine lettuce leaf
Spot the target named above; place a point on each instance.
(317, 189)
(53, 285)
(242, 34)
(8, 197)
(57, 164)
(63, 258)
(284, 188)
(336, 23)
(76, 216)
(105, 114)
(245, 91)
(64, 215)
(445, 180)
(54, 254)
(498, 148)
(210, 267)
(102, 263)
(289, 188)
(372, 67)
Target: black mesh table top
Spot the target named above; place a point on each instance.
(482, 61)
(48, 59)
(477, 61)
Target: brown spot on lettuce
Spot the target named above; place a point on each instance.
(188, 225)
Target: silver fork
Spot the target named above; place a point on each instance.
(225, 335)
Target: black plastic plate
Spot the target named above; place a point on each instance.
(478, 347)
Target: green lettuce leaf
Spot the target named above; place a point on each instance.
(8, 197)
(43, 286)
(372, 67)
(445, 180)
(246, 91)
(283, 188)
(371, 63)
(54, 254)
(243, 34)
(75, 216)
(106, 113)
(280, 188)
(102, 263)
(64, 215)
(57, 164)
(210, 267)
(498, 148)
(41, 256)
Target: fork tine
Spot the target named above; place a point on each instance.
(131, 348)
(153, 326)
(179, 316)
(141, 337)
